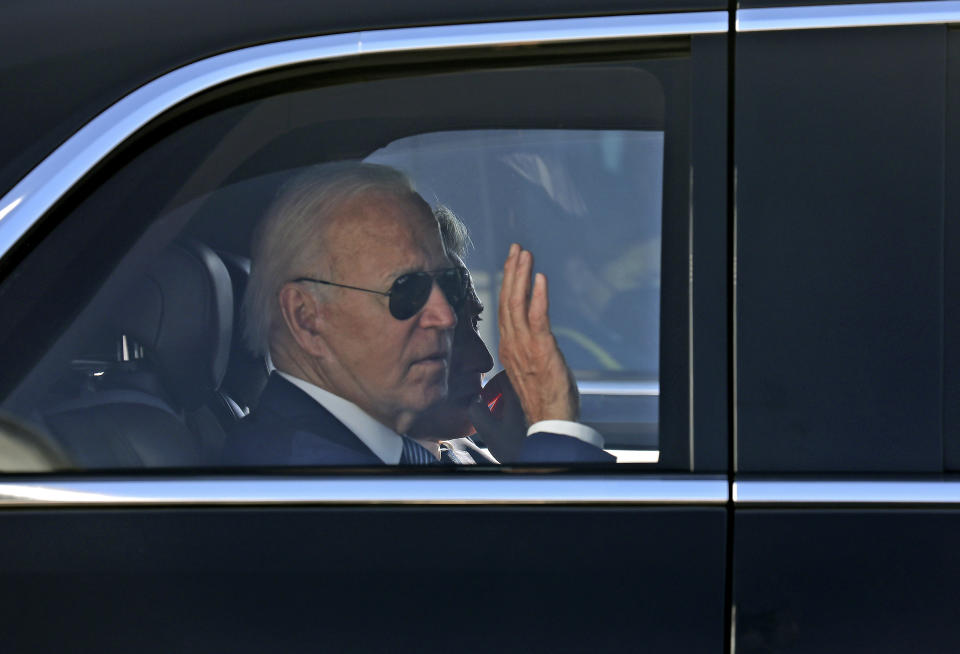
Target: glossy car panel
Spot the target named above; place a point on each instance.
(311, 560)
(809, 368)
(383, 579)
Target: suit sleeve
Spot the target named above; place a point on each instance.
(547, 447)
(568, 428)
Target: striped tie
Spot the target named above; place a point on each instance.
(415, 454)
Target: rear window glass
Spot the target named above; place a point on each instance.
(588, 204)
(137, 357)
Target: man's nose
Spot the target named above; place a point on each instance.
(476, 356)
(438, 312)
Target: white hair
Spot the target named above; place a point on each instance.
(456, 238)
(290, 236)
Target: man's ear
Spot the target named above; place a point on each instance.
(303, 315)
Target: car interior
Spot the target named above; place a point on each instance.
(150, 371)
(164, 397)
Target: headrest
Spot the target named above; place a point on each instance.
(181, 313)
(246, 373)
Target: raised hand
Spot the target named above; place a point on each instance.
(528, 349)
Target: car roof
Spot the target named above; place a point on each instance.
(66, 62)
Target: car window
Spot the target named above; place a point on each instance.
(588, 203)
(136, 356)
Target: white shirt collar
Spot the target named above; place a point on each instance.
(383, 441)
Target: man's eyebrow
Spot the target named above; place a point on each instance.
(393, 275)
(416, 268)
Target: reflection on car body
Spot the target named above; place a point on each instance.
(747, 222)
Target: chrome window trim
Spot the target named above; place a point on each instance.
(771, 492)
(876, 14)
(37, 192)
(368, 490)
(631, 388)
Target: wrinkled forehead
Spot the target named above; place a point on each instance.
(389, 232)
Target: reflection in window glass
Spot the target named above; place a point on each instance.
(588, 204)
(144, 366)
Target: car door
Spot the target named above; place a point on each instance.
(104, 554)
(846, 322)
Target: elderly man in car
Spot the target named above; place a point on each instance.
(353, 296)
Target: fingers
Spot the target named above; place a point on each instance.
(512, 300)
(509, 271)
(521, 284)
(534, 364)
(539, 306)
(515, 290)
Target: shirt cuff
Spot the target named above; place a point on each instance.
(568, 428)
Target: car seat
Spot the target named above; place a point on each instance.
(158, 403)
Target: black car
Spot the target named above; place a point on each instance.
(748, 216)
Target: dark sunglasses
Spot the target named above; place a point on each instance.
(410, 292)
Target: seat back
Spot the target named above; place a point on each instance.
(152, 405)
(246, 373)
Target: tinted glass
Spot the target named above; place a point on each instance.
(840, 137)
(588, 204)
(123, 374)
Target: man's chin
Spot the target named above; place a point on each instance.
(430, 396)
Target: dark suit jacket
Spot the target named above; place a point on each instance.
(289, 427)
